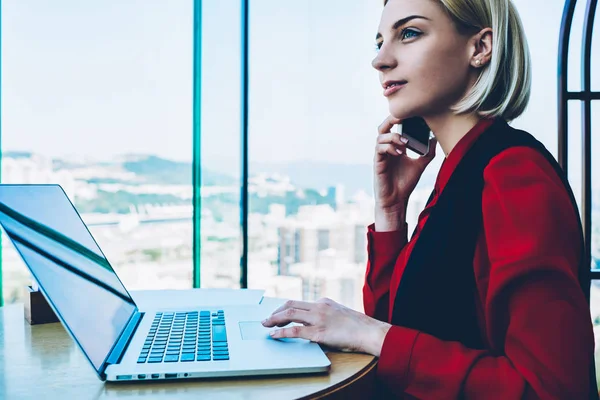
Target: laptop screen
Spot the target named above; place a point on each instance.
(68, 265)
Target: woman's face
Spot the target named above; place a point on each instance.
(421, 48)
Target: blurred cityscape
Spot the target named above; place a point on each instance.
(304, 242)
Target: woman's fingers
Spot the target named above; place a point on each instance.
(304, 332)
(302, 305)
(291, 315)
(391, 143)
(392, 137)
(387, 124)
(390, 149)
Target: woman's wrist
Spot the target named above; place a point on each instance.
(376, 337)
(390, 219)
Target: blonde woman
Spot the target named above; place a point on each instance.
(484, 301)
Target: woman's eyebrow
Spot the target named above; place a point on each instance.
(401, 22)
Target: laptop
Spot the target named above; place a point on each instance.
(122, 342)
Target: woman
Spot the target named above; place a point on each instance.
(484, 301)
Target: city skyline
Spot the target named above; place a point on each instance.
(124, 89)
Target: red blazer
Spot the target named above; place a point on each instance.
(531, 307)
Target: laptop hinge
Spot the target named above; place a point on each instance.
(117, 352)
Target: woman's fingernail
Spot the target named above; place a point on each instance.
(404, 140)
(398, 151)
(264, 321)
(272, 333)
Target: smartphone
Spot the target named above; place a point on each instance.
(418, 134)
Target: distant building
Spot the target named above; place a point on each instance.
(335, 196)
(25, 168)
(360, 244)
(286, 251)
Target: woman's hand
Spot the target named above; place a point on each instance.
(329, 323)
(396, 174)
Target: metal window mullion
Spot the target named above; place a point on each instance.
(196, 144)
(583, 95)
(1, 258)
(586, 116)
(244, 147)
(563, 65)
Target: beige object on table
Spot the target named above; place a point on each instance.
(43, 362)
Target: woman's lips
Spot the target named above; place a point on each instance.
(393, 89)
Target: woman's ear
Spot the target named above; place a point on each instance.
(482, 47)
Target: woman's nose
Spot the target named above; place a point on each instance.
(383, 61)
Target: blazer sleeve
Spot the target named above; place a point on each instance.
(537, 318)
(383, 249)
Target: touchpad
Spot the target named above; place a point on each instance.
(254, 330)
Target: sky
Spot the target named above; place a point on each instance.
(99, 79)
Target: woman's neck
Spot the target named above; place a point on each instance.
(450, 128)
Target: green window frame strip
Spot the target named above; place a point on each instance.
(197, 145)
(1, 258)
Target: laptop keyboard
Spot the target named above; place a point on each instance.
(186, 337)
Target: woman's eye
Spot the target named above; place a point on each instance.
(404, 34)
(409, 33)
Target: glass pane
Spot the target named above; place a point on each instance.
(574, 142)
(316, 103)
(595, 311)
(596, 54)
(97, 97)
(595, 185)
(220, 226)
(543, 101)
(575, 46)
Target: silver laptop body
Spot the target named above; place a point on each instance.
(122, 342)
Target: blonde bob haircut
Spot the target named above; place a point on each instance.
(504, 85)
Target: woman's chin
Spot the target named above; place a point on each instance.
(401, 112)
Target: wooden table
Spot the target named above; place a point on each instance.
(43, 362)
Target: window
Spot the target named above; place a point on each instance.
(96, 96)
(315, 104)
(575, 133)
(220, 144)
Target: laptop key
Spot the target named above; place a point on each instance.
(203, 358)
(220, 358)
(220, 344)
(141, 360)
(171, 358)
(188, 357)
(219, 333)
(155, 359)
